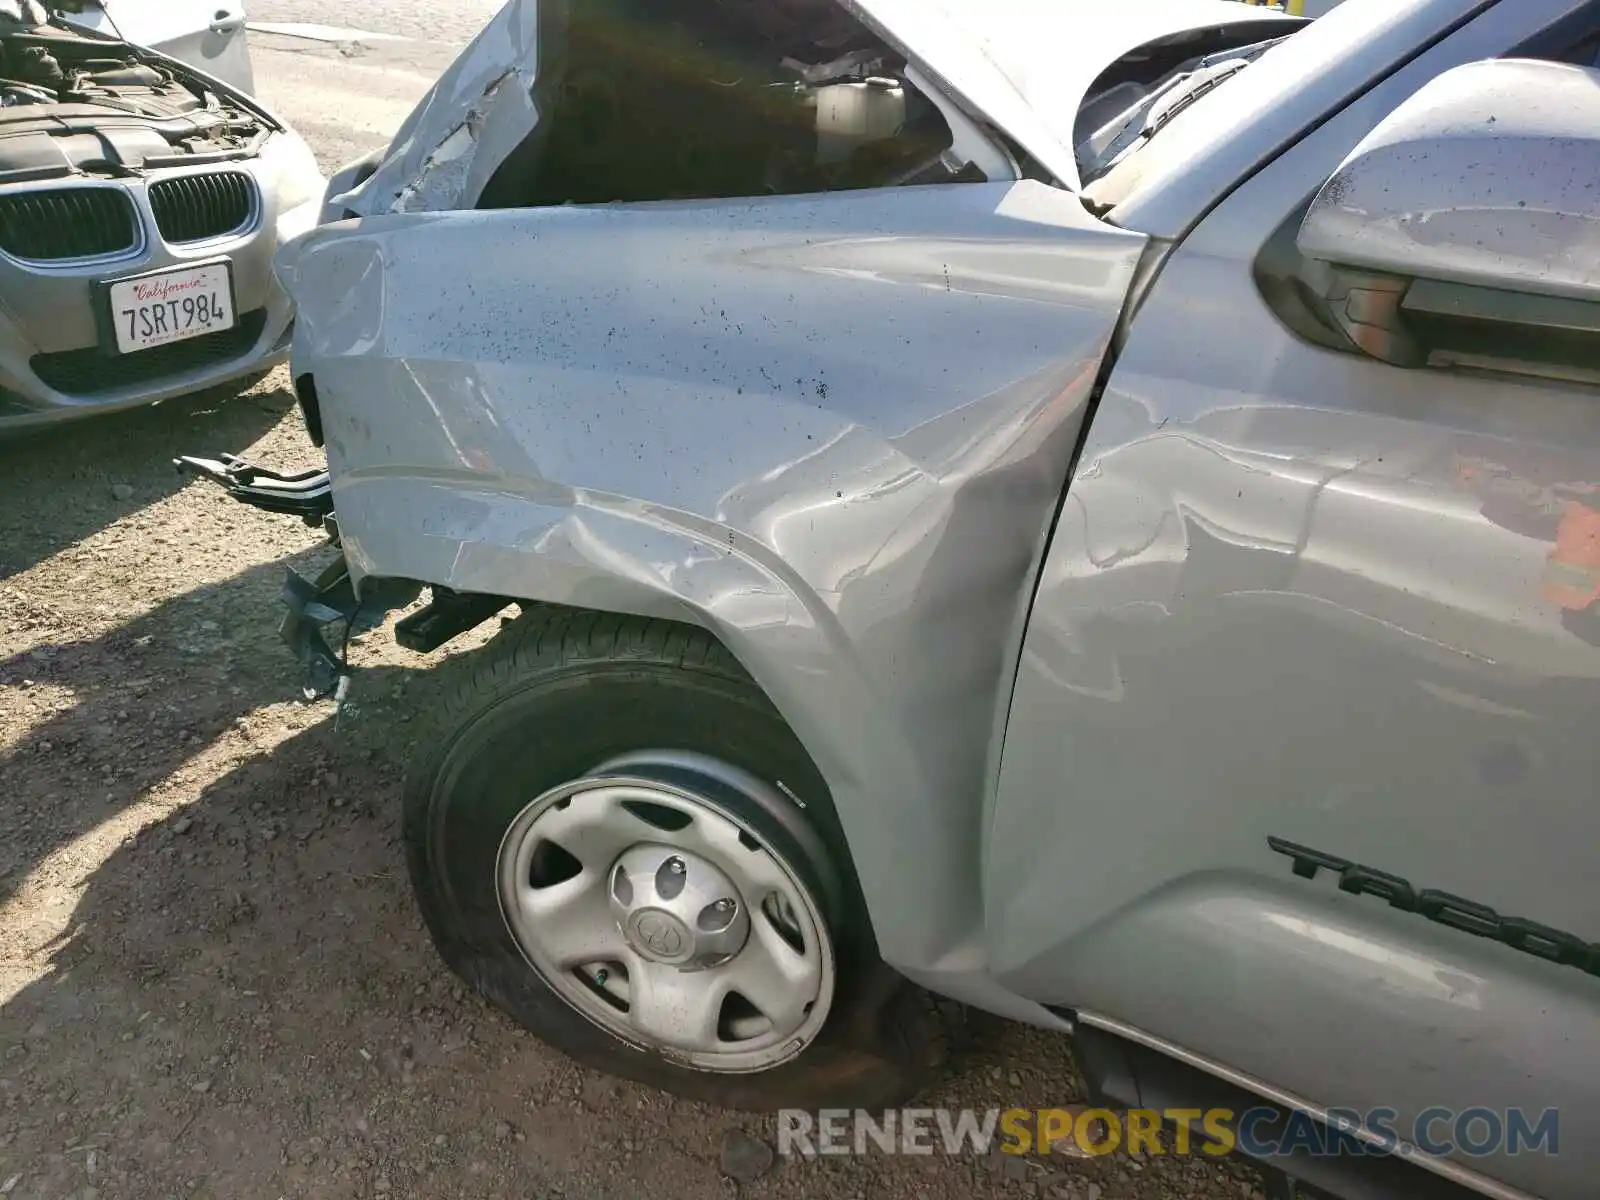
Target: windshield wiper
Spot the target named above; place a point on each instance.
(1151, 114)
(1158, 118)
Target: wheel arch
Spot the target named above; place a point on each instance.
(614, 562)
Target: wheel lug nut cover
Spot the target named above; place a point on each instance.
(675, 908)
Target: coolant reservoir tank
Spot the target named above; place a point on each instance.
(850, 115)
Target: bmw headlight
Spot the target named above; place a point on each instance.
(290, 160)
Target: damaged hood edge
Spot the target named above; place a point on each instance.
(478, 111)
(1021, 65)
(1027, 66)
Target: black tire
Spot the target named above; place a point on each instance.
(556, 695)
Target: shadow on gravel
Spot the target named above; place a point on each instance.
(147, 697)
(65, 483)
(244, 1004)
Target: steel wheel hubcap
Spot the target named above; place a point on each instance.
(677, 908)
(661, 917)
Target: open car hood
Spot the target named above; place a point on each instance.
(1026, 66)
(1023, 66)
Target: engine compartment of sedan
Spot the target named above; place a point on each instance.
(698, 99)
(75, 105)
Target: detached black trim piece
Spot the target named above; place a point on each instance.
(448, 615)
(313, 605)
(307, 495)
(331, 598)
(1443, 908)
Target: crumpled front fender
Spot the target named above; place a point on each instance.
(611, 554)
(832, 429)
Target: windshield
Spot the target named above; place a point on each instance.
(1143, 116)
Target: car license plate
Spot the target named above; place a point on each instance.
(171, 306)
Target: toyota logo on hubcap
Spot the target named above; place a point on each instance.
(661, 935)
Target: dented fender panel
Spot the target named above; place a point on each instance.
(832, 429)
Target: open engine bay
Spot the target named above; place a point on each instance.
(79, 105)
(694, 99)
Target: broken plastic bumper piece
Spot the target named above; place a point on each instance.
(308, 495)
(331, 599)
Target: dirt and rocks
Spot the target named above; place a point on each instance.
(213, 982)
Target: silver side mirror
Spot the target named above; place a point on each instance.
(1465, 229)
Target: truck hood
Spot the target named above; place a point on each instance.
(1026, 66)
(1023, 66)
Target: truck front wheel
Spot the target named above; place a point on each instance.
(620, 843)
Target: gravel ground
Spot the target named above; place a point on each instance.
(212, 978)
(213, 982)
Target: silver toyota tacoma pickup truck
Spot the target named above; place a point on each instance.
(1092, 513)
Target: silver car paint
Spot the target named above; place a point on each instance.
(207, 34)
(1298, 593)
(1023, 66)
(1519, 122)
(46, 308)
(835, 429)
(1265, 543)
